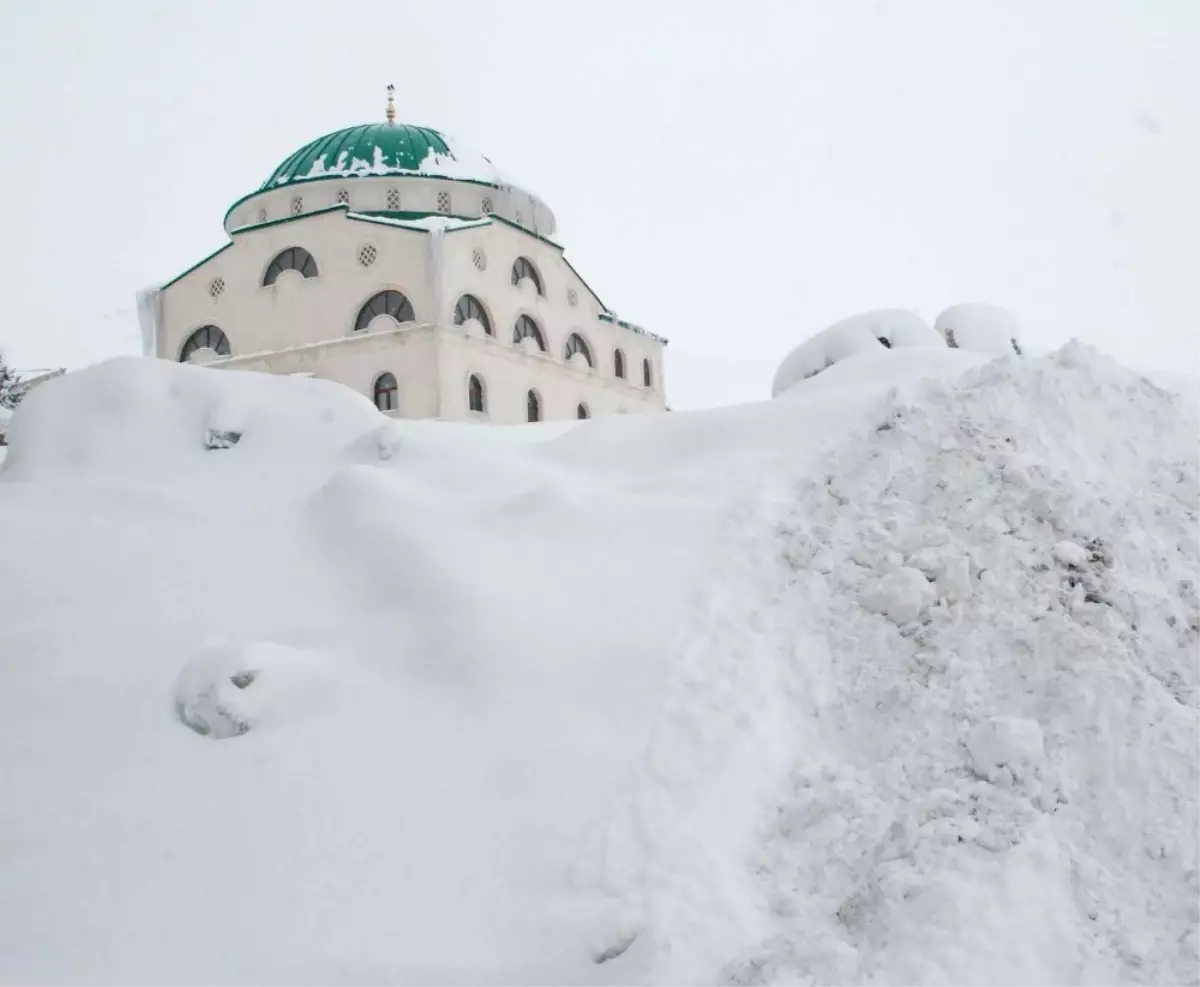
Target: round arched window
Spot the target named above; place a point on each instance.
(469, 307)
(292, 259)
(476, 395)
(581, 411)
(205, 338)
(533, 406)
(523, 268)
(619, 364)
(526, 328)
(388, 302)
(387, 392)
(576, 344)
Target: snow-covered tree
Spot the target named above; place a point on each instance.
(11, 389)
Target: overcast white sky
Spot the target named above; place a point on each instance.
(734, 176)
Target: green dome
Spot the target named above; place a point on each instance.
(382, 149)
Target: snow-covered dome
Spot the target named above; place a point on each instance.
(870, 332)
(980, 328)
(373, 156)
(386, 148)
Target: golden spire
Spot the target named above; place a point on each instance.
(391, 107)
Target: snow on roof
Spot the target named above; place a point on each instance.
(428, 223)
(980, 328)
(856, 335)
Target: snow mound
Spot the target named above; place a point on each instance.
(140, 417)
(893, 681)
(859, 334)
(980, 328)
(998, 782)
(226, 690)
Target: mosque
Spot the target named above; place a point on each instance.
(399, 263)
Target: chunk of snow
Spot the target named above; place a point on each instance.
(900, 595)
(1010, 742)
(1068, 553)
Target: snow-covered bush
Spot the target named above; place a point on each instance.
(11, 389)
(980, 328)
(869, 332)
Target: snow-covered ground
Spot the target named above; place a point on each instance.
(890, 680)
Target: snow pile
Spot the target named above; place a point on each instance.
(128, 418)
(890, 682)
(994, 681)
(980, 328)
(859, 334)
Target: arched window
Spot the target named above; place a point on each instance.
(581, 411)
(469, 307)
(388, 302)
(526, 328)
(386, 392)
(576, 344)
(205, 338)
(523, 268)
(476, 399)
(292, 259)
(533, 406)
(647, 379)
(619, 364)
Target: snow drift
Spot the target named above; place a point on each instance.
(892, 681)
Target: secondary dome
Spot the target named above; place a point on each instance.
(383, 149)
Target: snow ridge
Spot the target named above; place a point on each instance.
(993, 674)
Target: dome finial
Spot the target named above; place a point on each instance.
(391, 107)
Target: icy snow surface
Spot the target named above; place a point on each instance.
(891, 681)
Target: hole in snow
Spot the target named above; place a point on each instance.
(219, 439)
(243, 679)
(614, 949)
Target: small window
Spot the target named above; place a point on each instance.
(647, 379)
(367, 254)
(619, 364)
(485, 207)
(385, 303)
(292, 259)
(443, 202)
(572, 297)
(297, 206)
(479, 259)
(576, 344)
(526, 328)
(205, 338)
(469, 307)
(262, 215)
(533, 406)
(523, 268)
(476, 398)
(393, 199)
(216, 286)
(386, 392)
(343, 197)
(581, 411)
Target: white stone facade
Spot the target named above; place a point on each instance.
(441, 244)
